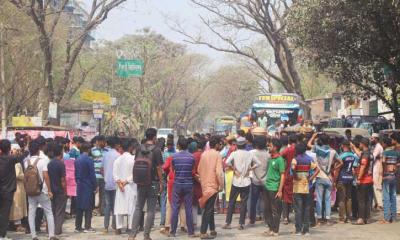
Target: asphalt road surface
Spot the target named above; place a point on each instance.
(374, 230)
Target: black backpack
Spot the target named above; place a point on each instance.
(143, 168)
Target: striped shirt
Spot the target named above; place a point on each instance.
(182, 164)
(392, 159)
(302, 165)
(97, 155)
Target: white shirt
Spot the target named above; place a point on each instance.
(242, 160)
(122, 171)
(378, 151)
(41, 166)
(312, 154)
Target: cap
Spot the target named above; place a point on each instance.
(241, 141)
(375, 135)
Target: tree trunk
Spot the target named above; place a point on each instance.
(396, 114)
(395, 107)
(47, 93)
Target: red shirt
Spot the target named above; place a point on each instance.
(289, 153)
(167, 167)
(169, 170)
(367, 177)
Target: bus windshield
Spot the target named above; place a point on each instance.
(278, 107)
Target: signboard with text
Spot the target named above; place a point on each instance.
(130, 68)
(276, 101)
(277, 98)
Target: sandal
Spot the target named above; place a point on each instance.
(240, 227)
(206, 236)
(359, 222)
(285, 222)
(383, 221)
(268, 233)
(227, 226)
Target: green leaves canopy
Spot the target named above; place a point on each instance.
(352, 40)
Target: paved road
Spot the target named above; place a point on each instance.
(337, 231)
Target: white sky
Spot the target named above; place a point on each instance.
(137, 14)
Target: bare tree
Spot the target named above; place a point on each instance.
(266, 19)
(46, 17)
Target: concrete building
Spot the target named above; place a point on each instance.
(336, 105)
(77, 17)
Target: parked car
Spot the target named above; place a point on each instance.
(164, 132)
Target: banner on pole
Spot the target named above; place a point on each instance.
(96, 97)
(24, 121)
(53, 110)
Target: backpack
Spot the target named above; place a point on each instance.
(142, 169)
(32, 182)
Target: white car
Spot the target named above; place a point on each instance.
(163, 132)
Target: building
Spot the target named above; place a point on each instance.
(336, 105)
(77, 17)
(80, 117)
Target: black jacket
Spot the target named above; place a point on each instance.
(8, 181)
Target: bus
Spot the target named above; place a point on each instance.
(278, 107)
(224, 125)
(245, 124)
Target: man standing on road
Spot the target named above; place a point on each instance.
(85, 189)
(258, 176)
(345, 182)
(274, 188)
(183, 164)
(391, 162)
(302, 166)
(326, 159)
(377, 151)
(288, 154)
(45, 196)
(364, 183)
(126, 195)
(56, 169)
(8, 183)
(242, 162)
(212, 181)
(148, 193)
(97, 153)
(109, 188)
(169, 151)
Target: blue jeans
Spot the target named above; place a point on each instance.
(302, 205)
(109, 197)
(321, 185)
(163, 205)
(389, 199)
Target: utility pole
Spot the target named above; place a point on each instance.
(3, 85)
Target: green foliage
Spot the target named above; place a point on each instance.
(233, 90)
(314, 83)
(353, 41)
(169, 87)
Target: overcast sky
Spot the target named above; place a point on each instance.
(137, 14)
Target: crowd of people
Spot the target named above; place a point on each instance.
(126, 181)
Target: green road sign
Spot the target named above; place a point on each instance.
(129, 68)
